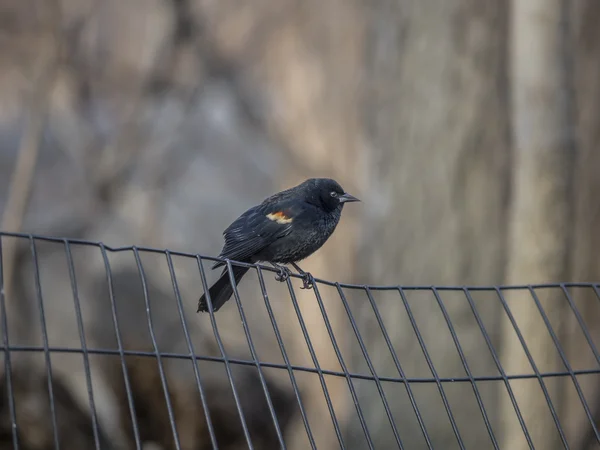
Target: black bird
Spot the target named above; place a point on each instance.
(284, 229)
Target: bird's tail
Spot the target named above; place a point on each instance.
(222, 290)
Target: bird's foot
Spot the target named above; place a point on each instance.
(283, 274)
(307, 281)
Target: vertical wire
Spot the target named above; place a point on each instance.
(409, 392)
(565, 361)
(496, 358)
(463, 359)
(413, 322)
(161, 369)
(534, 367)
(86, 359)
(38, 289)
(261, 376)
(338, 353)
(7, 361)
(286, 360)
(193, 358)
(223, 353)
(363, 349)
(113, 306)
(315, 361)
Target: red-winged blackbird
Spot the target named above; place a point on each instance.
(285, 228)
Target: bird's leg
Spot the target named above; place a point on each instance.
(283, 274)
(307, 278)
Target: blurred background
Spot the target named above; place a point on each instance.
(469, 128)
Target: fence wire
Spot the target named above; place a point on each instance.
(350, 377)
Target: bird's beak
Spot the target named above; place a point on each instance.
(347, 198)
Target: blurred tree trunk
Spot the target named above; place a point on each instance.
(586, 61)
(542, 207)
(437, 128)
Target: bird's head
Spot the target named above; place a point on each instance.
(328, 193)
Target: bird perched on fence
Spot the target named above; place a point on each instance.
(284, 229)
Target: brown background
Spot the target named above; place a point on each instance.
(469, 129)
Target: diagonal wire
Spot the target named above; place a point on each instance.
(161, 369)
(534, 367)
(38, 288)
(413, 322)
(254, 356)
(318, 369)
(565, 361)
(496, 358)
(224, 356)
(586, 332)
(463, 359)
(192, 355)
(121, 351)
(86, 359)
(7, 357)
(338, 353)
(390, 346)
(286, 360)
(363, 349)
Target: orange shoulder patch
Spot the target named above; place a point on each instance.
(279, 217)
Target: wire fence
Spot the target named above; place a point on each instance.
(293, 370)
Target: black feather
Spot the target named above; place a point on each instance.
(222, 290)
(305, 217)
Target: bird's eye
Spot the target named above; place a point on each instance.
(334, 194)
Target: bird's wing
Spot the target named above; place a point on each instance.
(257, 228)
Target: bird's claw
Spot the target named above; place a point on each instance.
(283, 274)
(307, 281)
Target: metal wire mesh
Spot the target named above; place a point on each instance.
(293, 370)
